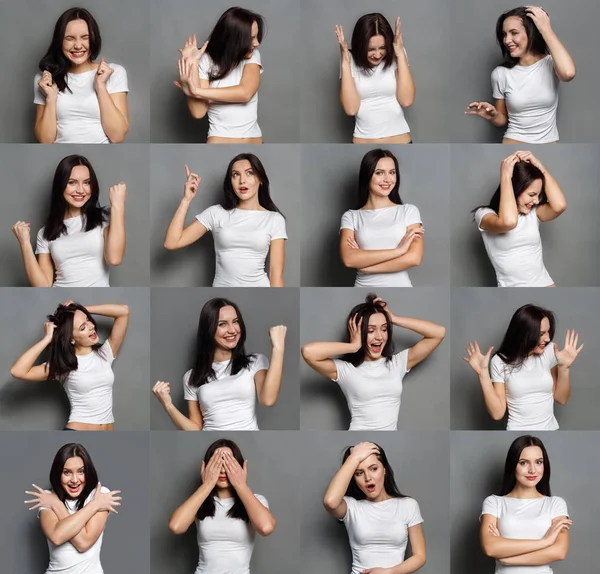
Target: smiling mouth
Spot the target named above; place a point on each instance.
(230, 339)
(376, 347)
(78, 54)
(93, 335)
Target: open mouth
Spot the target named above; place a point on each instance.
(78, 198)
(243, 189)
(370, 487)
(78, 54)
(230, 339)
(376, 348)
(73, 489)
(385, 186)
(93, 336)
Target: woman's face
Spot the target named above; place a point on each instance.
(376, 50)
(383, 179)
(529, 198)
(369, 477)
(223, 481)
(76, 42)
(530, 467)
(72, 478)
(228, 332)
(544, 337)
(79, 187)
(255, 42)
(84, 332)
(515, 37)
(243, 180)
(377, 336)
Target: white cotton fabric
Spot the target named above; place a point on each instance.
(378, 531)
(242, 240)
(525, 519)
(78, 255)
(90, 387)
(78, 110)
(66, 559)
(229, 120)
(225, 544)
(373, 391)
(531, 95)
(517, 254)
(529, 390)
(228, 402)
(381, 229)
(379, 115)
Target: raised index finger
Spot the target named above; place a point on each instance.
(187, 171)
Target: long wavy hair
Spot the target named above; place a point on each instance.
(54, 60)
(62, 359)
(535, 41)
(207, 509)
(66, 452)
(231, 39)
(368, 165)
(203, 372)
(389, 482)
(365, 28)
(231, 200)
(509, 479)
(92, 213)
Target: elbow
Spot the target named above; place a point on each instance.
(306, 352)
(17, 373)
(406, 102)
(559, 207)
(347, 261)
(350, 110)
(176, 528)
(247, 95)
(81, 546)
(125, 310)
(268, 401)
(497, 415)
(120, 138)
(568, 75)
(562, 400)
(114, 260)
(268, 528)
(169, 245)
(441, 335)
(330, 503)
(509, 223)
(197, 114)
(561, 554)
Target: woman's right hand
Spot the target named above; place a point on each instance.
(49, 327)
(187, 80)
(162, 391)
(482, 109)
(210, 472)
(363, 450)
(22, 231)
(192, 182)
(339, 32)
(190, 49)
(409, 237)
(47, 86)
(106, 500)
(478, 362)
(508, 165)
(557, 526)
(354, 328)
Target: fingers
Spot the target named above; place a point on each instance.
(161, 388)
(489, 352)
(187, 171)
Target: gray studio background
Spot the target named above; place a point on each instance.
(280, 83)
(29, 25)
(273, 471)
(120, 462)
(28, 172)
(484, 315)
(426, 389)
(39, 406)
(476, 470)
(195, 264)
(426, 34)
(420, 463)
(475, 53)
(175, 314)
(570, 243)
(330, 188)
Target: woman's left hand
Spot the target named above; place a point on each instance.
(103, 73)
(528, 157)
(383, 305)
(117, 194)
(277, 335)
(187, 80)
(398, 43)
(567, 356)
(41, 498)
(236, 474)
(540, 18)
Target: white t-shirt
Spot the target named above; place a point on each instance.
(242, 241)
(379, 115)
(225, 543)
(531, 95)
(373, 391)
(529, 391)
(378, 531)
(66, 559)
(228, 402)
(90, 387)
(232, 120)
(381, 229)
(517, 254)
(78, 255)
(78, 113)
(525, 519)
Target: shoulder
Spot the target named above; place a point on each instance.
(258, 362)
(40, 233)
(217, 211)
(499, 72)
(350, 216)
(118, 69)
(558, 502)
(490, 504)
(186, 377)
(254, 59)
(262, 499)
(481, 213)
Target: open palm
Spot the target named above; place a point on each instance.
(477, 361)
(567, 356)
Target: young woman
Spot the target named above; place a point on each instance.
(78, 361)
(528, 373)
(381, 237)
(379, 519)
(79, 100)
(222, 387)
(525, 85)
(74, 513)
(246, 228)
(510, 223)
(78, 242)
(222, 77)
(525, 528)
(376, 81)
(226, 512)
(370, 373)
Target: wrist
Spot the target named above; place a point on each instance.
(117, 205)
(51, 98)
(185, 201)
(564, 368)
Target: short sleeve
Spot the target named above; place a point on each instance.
(278, 230)
(350, 508)
(41, 245)
(490, 506)
(411, 214)
(38, 97)
(105, 352)
(550, 355)
(189, 394)
(210, 217)
(497, 370)
(400, 362)
(105, 222)
(343, 368)
(498, 83)
(479, 216)
(558, 507)
(262, 500)
(259, 363)
(118, 80)
(413, 514)
(254, 59)
(204, 66)
(347, 221)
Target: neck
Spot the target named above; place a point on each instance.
(71, 211)
(383, 495)
(81, 351)
(250, 204)
(81, 68)
(528, 59)
(378, 202)
(221, 355)
(224, 493)
(520, 491)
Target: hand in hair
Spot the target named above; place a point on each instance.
(540, 18)
(567, 356)
(398, 42)
(363, 450)
(48, 86)
(277, 336)
(236, 474)
(42, 498)
(49, 327)
(190, 49)
(106, 501)
(22, 231)
(103, 73)
(482, 109)
(162, 391)
(210, 472)
(354, 328)
(117, 194)
(507, 166)
(339, 32)
(192, 182)
(530, 158)
(478, 362)
(384, 306)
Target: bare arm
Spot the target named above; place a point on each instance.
(162, 391)
(405, 84)
(23, 367)
(349, 97)
(260, 516)
(556, 200)
(39, 273)
(88, 535)
(268, 382)
(114, 234)
(411, 258)
(432, 333)
(240, 94)
(45, 122)
(496, 115)
(120, 314)
(363, 258)
(114, 113)
(184, 515)
(419, 552)
(558, 551)
(276, 262)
